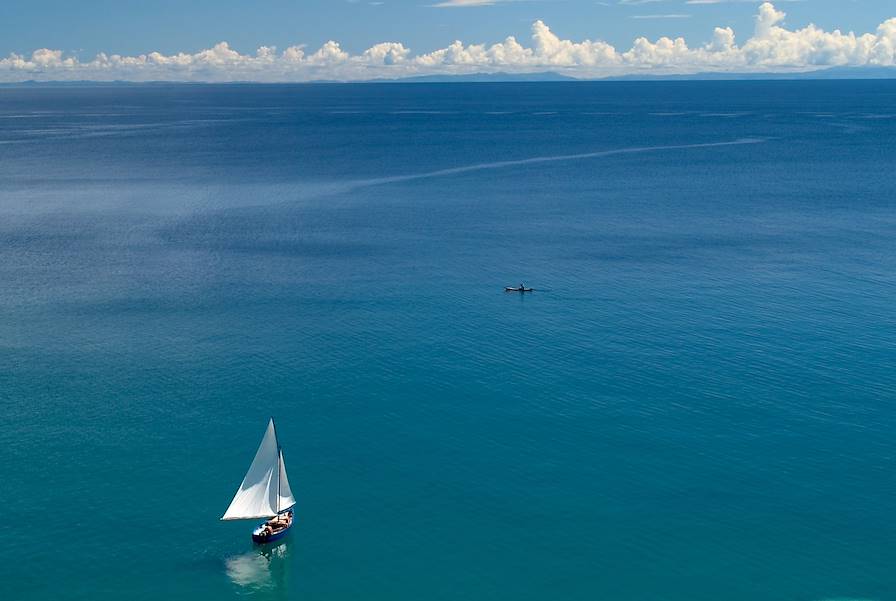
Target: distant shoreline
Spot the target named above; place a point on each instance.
(829, 74)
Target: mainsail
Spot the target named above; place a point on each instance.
(265, 490)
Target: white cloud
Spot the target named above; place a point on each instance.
(772, 47)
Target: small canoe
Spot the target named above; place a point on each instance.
(513, 289)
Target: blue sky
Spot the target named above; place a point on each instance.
(301, 40)
(138, 26)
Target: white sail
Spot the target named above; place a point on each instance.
(286, 498)
(258, 495)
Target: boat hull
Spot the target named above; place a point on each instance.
(261, 539)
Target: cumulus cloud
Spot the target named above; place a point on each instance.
(771, 47)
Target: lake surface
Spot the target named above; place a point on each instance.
(698, 403)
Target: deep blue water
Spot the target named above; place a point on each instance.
(696, 405)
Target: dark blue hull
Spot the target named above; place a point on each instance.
(261, 539)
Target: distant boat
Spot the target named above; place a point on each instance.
(265, 492)
(520, 288)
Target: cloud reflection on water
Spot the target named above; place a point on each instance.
(261, 569)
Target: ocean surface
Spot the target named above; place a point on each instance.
(698, 403)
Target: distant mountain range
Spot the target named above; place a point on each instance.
(829, 73)
(481, 77)
(552, 76)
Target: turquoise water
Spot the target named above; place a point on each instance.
(697, 404)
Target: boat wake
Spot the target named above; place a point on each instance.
(321, 190)
(547, 159)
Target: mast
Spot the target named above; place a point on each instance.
(279, 463)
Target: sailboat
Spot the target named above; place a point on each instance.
(265, 492)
